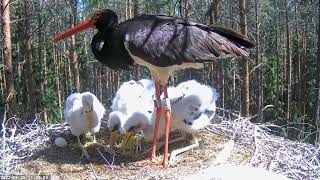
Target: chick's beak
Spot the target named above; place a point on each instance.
(89, 117)
(113, 137)
(128, 138)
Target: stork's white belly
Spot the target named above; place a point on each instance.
(162, 73)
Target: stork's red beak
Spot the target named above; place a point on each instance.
(80, 27)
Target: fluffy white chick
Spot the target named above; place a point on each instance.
(115, 122)
(193, 106)
(131, 97)
(83, 112)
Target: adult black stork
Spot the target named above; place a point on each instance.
(163, 44)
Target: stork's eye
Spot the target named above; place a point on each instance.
(99, 45)
(97, 15)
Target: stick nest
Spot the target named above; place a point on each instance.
(28, 148)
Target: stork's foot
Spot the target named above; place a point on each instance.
(155, 159)
(166, 164)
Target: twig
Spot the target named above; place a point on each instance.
(94, 172)
(263, 109)
(109, 164)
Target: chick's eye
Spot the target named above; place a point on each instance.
(131, 129)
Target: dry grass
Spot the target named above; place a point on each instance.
(65, 163)
(230, 140)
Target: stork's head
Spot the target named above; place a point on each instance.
(101, 20)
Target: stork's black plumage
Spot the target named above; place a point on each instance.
(162, 43)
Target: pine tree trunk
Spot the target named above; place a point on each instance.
(31, 82)
(234, 66)
(245, 63)
(44, 89)
(298, 68)
(277, 93)
(170, 13)
(234, 89)
(74, 58)
(2, 81)
(128, 9)
(258, 62)
(185, 8)
(215, 5)
(137, 68)
(135, 8)
(288, 63)
(303, 77)
(223, 85)
(57, 72)
(317, 112)
(7, 57)
(44, 69)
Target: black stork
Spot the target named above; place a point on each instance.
(163, 44)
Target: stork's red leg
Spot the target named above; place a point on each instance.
(157, 105)
(167, 126)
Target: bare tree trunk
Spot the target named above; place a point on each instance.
(234, 65)
(303, 77)
(32, 94)
(288, 63)
(57, 70)
(317, 112)
(258, 62)
(44, 69)
(185, 8)
(7, 57)
(74, 58)
(2, 81)
(136, 13)
(100, 84)
(299, 87)
(135, 8)
(245, 63)
(44, 87)
(170, 13)
(277, 93)
(216, 68)
(128, 9)
(213, 11)
(223, 84)
(69, 73)
(234, 92)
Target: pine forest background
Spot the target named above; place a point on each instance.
(279, 82)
